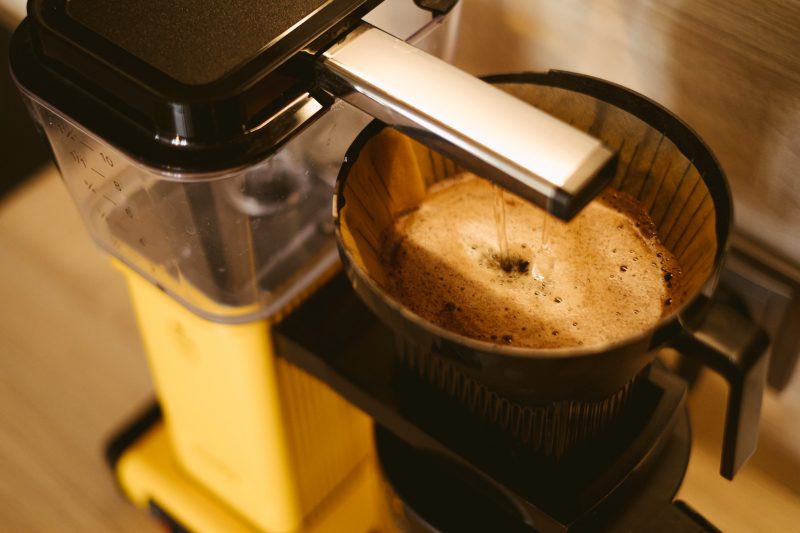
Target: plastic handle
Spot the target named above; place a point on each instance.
(734, 346)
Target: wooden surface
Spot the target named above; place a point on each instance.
(71, 369)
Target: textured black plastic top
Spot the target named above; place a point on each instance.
(181, 85)
(184, 85)
(193, 41)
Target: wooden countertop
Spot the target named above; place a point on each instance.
(72, 369)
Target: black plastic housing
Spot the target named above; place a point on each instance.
(181, 86)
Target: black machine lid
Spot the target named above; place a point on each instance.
(197, 42)
(182, 85)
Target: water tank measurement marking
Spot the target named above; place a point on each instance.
(77, 157)
(96, 167)
(95, 159)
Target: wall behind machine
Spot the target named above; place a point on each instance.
(729, 68)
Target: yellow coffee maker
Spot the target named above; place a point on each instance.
(200, 142)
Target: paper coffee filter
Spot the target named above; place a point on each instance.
(391, 176)
(393, 172)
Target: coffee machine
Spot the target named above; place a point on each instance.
(231, 270)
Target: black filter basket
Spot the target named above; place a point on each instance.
(553, 398)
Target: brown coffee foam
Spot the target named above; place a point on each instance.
(606, 277)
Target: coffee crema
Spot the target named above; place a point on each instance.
(600, 278)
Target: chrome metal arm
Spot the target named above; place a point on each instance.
(501, 138)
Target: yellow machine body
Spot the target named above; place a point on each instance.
(269, 444)
(149, 474)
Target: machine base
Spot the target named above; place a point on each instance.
(144, 466)
(141, 459)
(431, 494)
